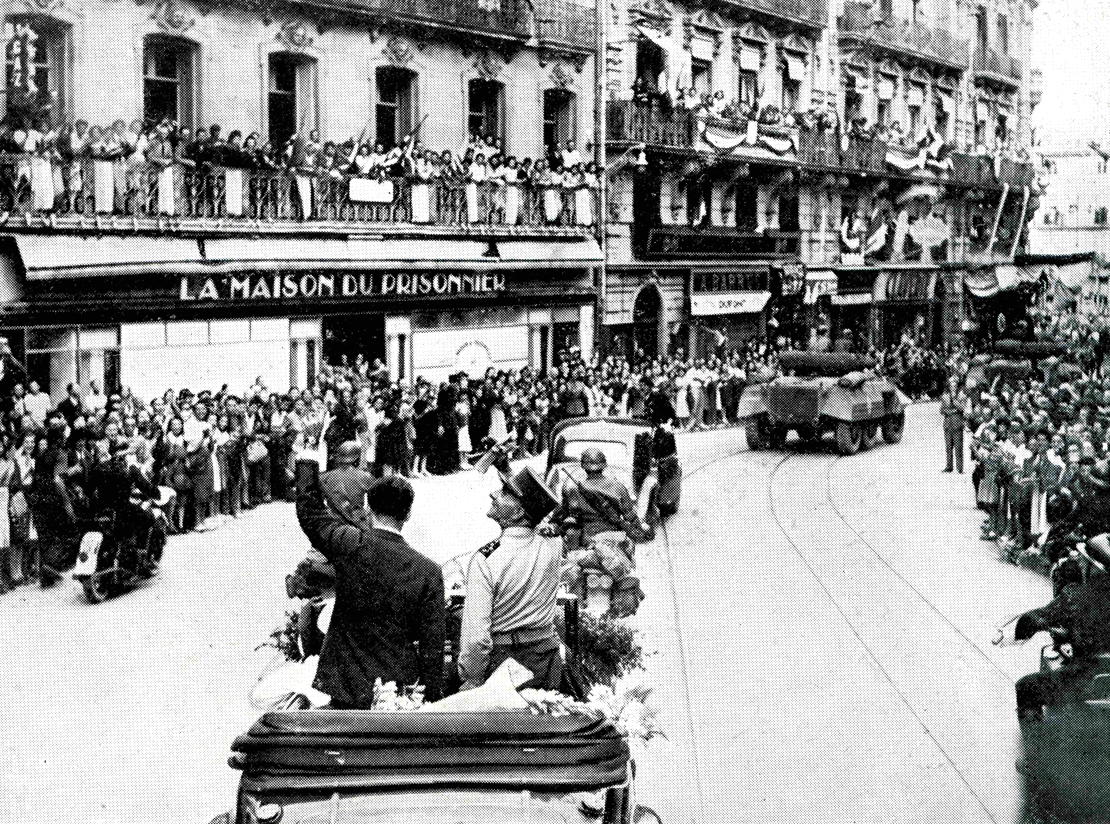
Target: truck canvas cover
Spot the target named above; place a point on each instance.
(363, 749)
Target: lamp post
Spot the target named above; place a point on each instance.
(600, 48)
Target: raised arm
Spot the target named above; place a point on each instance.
(326, 531)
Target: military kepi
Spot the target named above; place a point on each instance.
(537, 500)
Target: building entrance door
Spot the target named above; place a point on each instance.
(348, 336)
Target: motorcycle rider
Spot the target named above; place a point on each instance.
(1080, 614)
(114, 482)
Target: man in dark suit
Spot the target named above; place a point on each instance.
(388, 621)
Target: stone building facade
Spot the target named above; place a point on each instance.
(154, 277)
(861, 158)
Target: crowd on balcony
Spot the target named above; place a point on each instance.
(163, 168)
(737, 114)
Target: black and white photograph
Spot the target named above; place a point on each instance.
(555, 412)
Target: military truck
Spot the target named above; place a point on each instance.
(818, 393)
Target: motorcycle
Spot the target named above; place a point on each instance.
(109, 563)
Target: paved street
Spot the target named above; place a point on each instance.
(821, 627)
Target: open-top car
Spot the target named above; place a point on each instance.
(511, 767)
(644, 459)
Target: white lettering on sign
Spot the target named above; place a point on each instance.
(324, 286)
(727, 303)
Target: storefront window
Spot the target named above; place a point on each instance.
(59, 356)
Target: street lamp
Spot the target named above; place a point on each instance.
(640, 162)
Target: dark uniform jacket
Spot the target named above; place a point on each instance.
(388, 621)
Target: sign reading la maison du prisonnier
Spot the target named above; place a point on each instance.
(331, 285)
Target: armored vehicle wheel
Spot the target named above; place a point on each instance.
(848, 437)
(893, 426)
(870, 434)
(755, 429)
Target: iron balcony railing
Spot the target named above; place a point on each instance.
(504, 17)
(813, 12)
(935, 44)
(678, 129)
(566, 23)
(90, 189)
(997, 65)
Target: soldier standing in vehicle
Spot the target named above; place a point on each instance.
(511, 589)
(599, 503)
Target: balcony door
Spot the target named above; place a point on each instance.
(291, 99)
(486, 105)
(395, 110)
(168, 80)
(558, 119)
(651, 65)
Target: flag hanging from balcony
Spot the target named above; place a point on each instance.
(725, 140)
(22, 48)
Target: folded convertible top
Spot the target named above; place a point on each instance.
(354, 748)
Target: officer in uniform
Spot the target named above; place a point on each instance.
(952, 405)
(511, 589)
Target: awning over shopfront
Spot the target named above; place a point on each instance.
(855, 299)
(989, 281)
(728, 303)
(46, 257)
(905, 285)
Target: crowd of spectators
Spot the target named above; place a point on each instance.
(52, 167)
(1039, 433)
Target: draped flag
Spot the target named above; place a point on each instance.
(725, 140)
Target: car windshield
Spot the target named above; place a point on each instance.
(615, 452)
(450, 807)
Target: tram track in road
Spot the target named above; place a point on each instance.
(909, 585)
(868, 649)
(668, 559)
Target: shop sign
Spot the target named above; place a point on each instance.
(728, 303)
(330, 285)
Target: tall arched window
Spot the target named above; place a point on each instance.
(486, 104)
(558, 118)
(291, 98)
(395, 108)
(169, 80)
(36, 62)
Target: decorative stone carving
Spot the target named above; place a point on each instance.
(42, 6)
(398, 50)
(653, 13)
(577, 59)
(560, 76)
(488, 64)
(173, 17)
(294, 36)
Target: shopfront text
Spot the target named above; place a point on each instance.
(325, 286)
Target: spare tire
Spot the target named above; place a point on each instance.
(825, 364)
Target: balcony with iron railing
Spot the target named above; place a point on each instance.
(105, 196)
(995, 66)
(903, 37)
(806, 12)
(500, 18)
(566, 24)
(678, 130)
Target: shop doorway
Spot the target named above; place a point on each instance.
(348, 336)
(645, 323)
